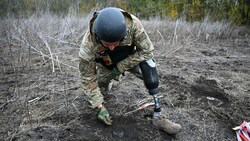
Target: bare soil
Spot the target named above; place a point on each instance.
(204, 86)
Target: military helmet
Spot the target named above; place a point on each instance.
(110, 25)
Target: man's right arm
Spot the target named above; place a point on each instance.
(87, 68)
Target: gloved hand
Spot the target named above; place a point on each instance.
(104, 116)
(116, 73)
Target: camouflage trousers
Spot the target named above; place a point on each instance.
(104, 78)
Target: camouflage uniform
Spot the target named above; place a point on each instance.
(94, 77)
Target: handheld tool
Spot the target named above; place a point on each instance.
(141, 107)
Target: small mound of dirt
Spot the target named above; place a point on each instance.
(209, 91)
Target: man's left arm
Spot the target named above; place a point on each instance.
(144, 48)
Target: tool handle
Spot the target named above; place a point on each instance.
(146, 105)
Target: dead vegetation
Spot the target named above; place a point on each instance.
(203, 70)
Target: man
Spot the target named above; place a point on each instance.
(116, 42)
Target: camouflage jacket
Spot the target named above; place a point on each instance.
(136, 35)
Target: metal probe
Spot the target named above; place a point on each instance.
(157, 110)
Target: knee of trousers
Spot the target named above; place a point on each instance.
(104, 78)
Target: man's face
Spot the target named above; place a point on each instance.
(109, 45)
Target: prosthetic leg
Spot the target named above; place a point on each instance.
(150, 78)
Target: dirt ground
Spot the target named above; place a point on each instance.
(204, 86)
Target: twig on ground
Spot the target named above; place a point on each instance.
(51, 54)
